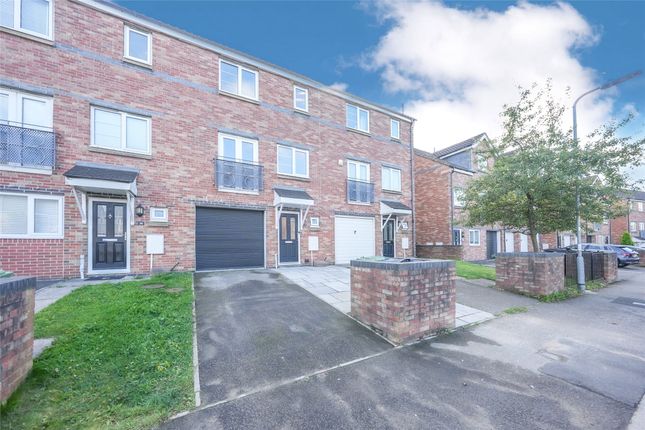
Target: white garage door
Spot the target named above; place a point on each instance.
(354, 238)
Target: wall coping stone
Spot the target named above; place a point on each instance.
(16, 284)
(402, 264)
(530, 254)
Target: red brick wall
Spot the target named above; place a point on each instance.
(432, 201)
(85, 66)
(442, 252)
(532, 274)
(17, 302)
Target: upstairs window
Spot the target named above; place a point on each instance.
(138, 45)
(458, 197)
(482, 162)
(293, 161)
(640, 206)
(395, 129)
(358, 118)
(238, 80)
(301, 99)
(632, 226)
(31, 16)
(391, 179)
(120, 131)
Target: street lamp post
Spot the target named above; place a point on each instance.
(580, 261)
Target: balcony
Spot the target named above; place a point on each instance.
(27, 147)
(360, 191)
(238, 176)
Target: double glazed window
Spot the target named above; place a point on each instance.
(293, 161)
(458, 196)
(395, 129)
(632, 226)
(239, 149)
(238, 80)
(25, 110)
(301, 99)
(391, 179)
(237, 169)
(31, 16)
(456, 236)
(138, 45)
(31, 216)
(358, 118)
(473, 237)
(120, 131)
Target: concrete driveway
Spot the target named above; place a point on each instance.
(274, 356)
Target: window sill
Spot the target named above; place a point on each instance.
(118, 152)
(29, 36)
(138, 63)
(398, 193)
(295, 178)
(301, 112)
(158, 223)
(233, 190)
(238, 97)
(30, 237)
(33, 170)
(360, 204)
(395, 139)
(354, 130)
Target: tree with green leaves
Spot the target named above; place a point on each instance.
(626, 239)
(531, 187)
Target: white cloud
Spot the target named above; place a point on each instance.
(339, 86)
(461, 66)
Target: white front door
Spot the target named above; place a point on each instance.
(354, 238)
(509, 242)
(566, 240)
(524, 243)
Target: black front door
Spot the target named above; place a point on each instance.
(388, 239)
(289, 238)
(109, 221)
(491, 244)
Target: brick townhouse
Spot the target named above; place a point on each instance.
(127, 145)
(633, 221)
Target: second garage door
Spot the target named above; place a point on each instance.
(354, 238)
(229, 239)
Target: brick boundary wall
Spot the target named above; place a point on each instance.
(442, 252)
(532, 274)
(404, 301)
(641, 254)
(17, 302)
(609, 264)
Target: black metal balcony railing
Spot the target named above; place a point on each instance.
(360, 191)
(27, 147)
(235, 175)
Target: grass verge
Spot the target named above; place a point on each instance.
(571, 290)
(474, 271)
(122, 358)
(515, 310)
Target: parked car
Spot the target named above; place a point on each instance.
(625, 255)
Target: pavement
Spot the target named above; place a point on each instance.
(271, 355)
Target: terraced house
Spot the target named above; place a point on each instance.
(127, 145)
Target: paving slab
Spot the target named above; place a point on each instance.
(494, 301)
(257, 329)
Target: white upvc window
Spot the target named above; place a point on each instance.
(25, 110)
(237, 148)
(632, 226)
(293, 161)
(158, 214)
(137, 45)
(30, 216)
(641, 226)
(473, 237)
(120, 131)
(482, 162)
(300, 98)
(314, 222)
(29, 16)
(357, 171)
(358, 118)
(395, 129)
(458, 197)
(640, 206)
(456, 236)
(238, 80)
(391, 179)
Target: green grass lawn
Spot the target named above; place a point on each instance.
(122, 359)
(571, 290)
(474, 271)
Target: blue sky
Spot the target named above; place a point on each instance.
(359, 45)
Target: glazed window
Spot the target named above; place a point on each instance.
(29, 16)
(293, 161)
(138, 45)
(120, 131)
(31, 216)
(358, 118)
(301, 99)
(238, 80)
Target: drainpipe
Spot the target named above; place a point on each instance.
(452, 209)
(414, 220)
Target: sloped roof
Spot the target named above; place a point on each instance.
(433, 157)
(102, 172)
(459, 146)
(292, 194)
(396, 205)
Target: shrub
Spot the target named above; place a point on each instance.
(626, 239)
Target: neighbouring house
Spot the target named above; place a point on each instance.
(633, 221)
(440, 180)
(127, 145)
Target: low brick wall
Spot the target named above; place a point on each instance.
(609, 266)
(641, 254)
(17, 300)
(532, 274)
(441, 252)
(404, 301)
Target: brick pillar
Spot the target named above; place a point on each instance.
(17, 301)
(641, 254)
(530, 273)
(609, 264)
(404, 301)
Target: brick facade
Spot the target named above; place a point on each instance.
(441, 252)
(404, 301)
(17, 303)
(84, 67)
(532, 274)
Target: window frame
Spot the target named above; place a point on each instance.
(238, 147)
(470, 238)
(124, 117)
(31, 217)
(639, 205)
(458, 202)
(383, 187)
(398, 129)
(641, 226)
(17, 21)
(153, 218)
(315, 224)
(358, 118)
(634, 225)
(293, 161)
(461, 240)
(295, 91)
(482, 162)
(126, 44)
(357, 164)
(239, 80)
(15, 108)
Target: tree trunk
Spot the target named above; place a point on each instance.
(530, 217)
(534, 240)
